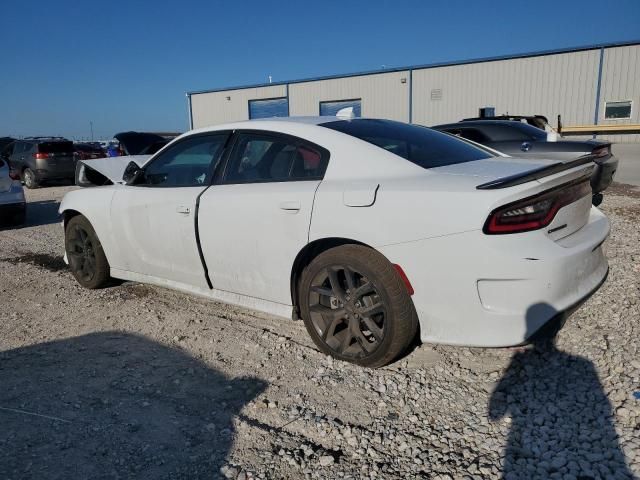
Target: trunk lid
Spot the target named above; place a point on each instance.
(565, 192)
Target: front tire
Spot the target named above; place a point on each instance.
(29, 178)
(87, 260)
(356, 307)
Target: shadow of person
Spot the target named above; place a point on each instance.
(561, 420)
(115, 405)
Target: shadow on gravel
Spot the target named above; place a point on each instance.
(52, 263)
(115, 405)
(561, 419)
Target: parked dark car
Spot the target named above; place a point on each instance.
(4, 141)
(140, 143)
(520, 139)
(87, 151)
(539, 121)
(40, 159)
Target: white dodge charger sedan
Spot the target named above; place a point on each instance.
(371, 231)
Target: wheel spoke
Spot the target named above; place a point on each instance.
(364, 343)
(335, 284)
(369, 310)
(350, 277)
(347, 336)
(363, 290)
(328, 314)
(330, 327)
(86, 268)
(373, 328)
(324, 291)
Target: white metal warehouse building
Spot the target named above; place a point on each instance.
(588, 86)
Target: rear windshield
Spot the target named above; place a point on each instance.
(512, 132)
(55, 147)
(85, 147)
(420, 145)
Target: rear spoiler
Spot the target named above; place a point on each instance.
(535, 174)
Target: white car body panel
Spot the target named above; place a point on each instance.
(156, 235)
(470, 288)
(252, 233)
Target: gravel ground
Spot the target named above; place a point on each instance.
(138, 381)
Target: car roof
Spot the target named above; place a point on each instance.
(272, 121)
(44, 139)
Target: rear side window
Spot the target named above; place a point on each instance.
(420, 145)
(56, 147)
(260, 157)
(20, 147)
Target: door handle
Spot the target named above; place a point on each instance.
(184, 210)
(290, 206)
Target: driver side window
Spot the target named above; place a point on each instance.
(189, 163)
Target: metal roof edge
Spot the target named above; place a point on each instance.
(425, 66)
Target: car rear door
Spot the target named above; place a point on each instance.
(154, 220)
(255, 221)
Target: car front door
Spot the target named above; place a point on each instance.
(256, 220)
(154, 219)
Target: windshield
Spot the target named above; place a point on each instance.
(420, 145)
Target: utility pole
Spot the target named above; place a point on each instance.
(91, 127)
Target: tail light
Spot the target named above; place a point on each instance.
(535, 212)
(601, 152)
(41, 156)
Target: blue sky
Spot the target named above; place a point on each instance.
(127, 64)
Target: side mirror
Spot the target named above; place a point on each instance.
(132, 173)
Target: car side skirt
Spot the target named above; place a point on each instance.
(266, 306)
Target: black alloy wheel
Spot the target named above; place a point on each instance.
(81, 253)
(87, 260)
(347, 311)
(356, 306)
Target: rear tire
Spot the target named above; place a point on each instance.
(356, 307)
(29, 178)
(87, 260)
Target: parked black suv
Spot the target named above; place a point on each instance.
(39, 159)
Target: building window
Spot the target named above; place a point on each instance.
(617, 110)
(332, 107)
(269, 107)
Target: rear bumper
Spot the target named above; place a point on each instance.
(55, 173)
(47, 169)
(495, 291)
(555, 324)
